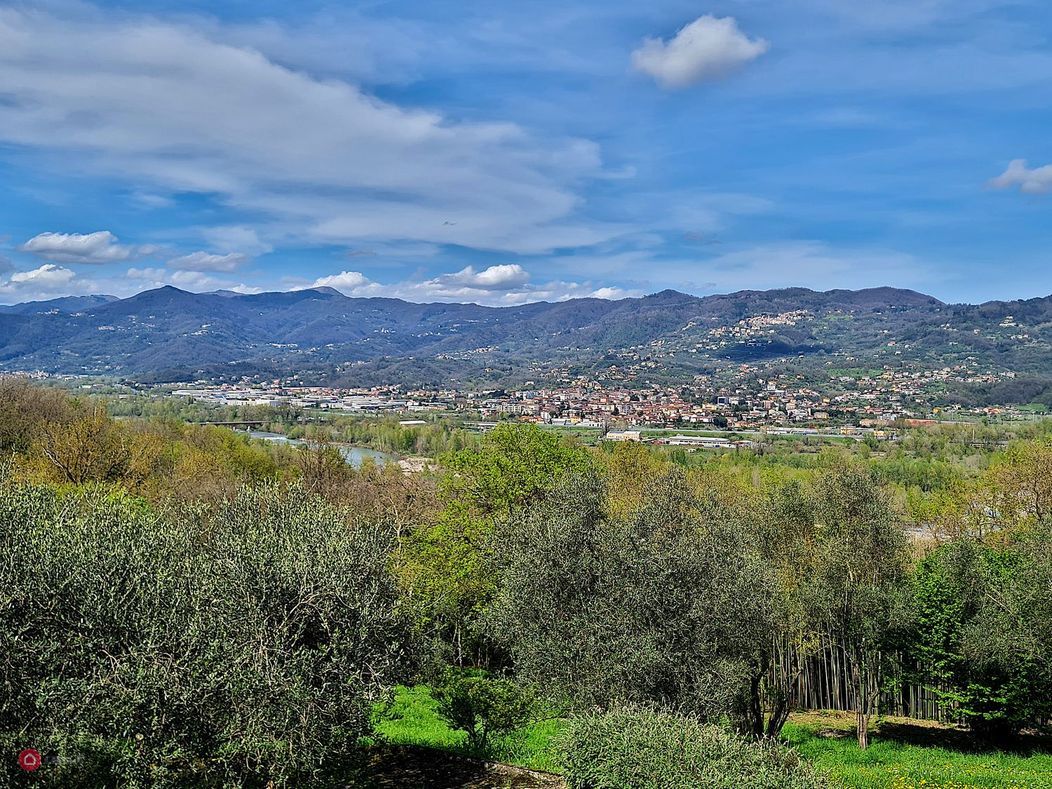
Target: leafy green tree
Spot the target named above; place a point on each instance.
(1022, 484)
(25, 408)
(89, 447)
(970, 639)
(514, 466)
(322, 467)
(444, 564)
(629, 469)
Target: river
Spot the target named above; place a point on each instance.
(354, 456)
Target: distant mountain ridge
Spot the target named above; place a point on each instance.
(325, 336)
(63, 304)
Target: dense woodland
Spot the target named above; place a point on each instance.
(180, 605)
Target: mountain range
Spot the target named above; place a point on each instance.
(169, 334)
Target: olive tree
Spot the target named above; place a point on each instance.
(240, 645)
(783, 526)
(666, 606)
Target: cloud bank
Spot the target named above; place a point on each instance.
(164, 105)
(502, 285)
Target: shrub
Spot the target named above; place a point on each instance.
(241, 646)
(482, 706)
(637, 748)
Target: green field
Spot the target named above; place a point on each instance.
(903, 754)
(910, 755)
(412, 719)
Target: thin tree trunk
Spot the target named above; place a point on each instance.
(862, 727)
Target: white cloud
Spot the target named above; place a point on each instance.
(1036, 180)
(50, 280)
(502, 285)
(197, 281)
(93, 248)
(497, 283)
(206, 261)
(348, 282)
(192, 280)
(147, 273)
(45, 282)
(150, 200)
(170, 108)
(239, 237)
(708, 48)
(48, 276)
(504, 277)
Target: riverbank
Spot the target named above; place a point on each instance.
(354, 456)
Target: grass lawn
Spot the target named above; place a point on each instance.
(907, 754)
(412, 719)
(903, 754)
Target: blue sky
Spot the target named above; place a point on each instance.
(502, 152)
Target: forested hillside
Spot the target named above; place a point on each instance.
(325, 337)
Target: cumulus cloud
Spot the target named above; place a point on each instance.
(708, 48)
(155, 277)
(91, 248)
(47, 281)
(346, 281)
(1031, 180)
(51, 280)
(502, 285)
(504, 277)
(172, 109)
(206, 261)
(49, 275)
